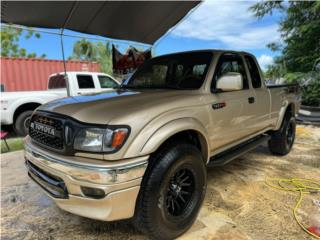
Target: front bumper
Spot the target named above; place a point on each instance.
(65, 178)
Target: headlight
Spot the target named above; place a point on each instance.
(100, 140)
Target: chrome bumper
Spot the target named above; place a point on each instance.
(64, 180)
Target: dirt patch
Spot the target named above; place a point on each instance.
(238, 204)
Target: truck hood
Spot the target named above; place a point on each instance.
(118, 106)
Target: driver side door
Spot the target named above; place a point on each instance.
(230, 109)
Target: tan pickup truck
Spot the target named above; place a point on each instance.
(141, 151)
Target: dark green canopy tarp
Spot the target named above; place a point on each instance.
(141, 21)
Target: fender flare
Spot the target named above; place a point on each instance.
(169, 129)
(282, 113)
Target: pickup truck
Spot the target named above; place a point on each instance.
(17, 107)
(141, 151)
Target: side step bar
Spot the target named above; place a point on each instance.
(234, 152)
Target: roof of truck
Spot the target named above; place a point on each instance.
(208, 50)
(80, 72)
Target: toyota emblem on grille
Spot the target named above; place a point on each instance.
(42, 128)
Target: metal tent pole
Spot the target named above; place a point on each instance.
(64, 64)
(74, 5)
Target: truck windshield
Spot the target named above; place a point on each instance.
(57, 81)
(176, 71)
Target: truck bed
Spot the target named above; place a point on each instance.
(292, 86)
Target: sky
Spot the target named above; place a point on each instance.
(213, 24)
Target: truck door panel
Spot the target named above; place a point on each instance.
(262, 103)
(229, 122)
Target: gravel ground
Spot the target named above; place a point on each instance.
(238, 205)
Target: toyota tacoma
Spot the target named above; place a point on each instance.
(141, 151)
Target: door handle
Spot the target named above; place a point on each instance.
(251, 100)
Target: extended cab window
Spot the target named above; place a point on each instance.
(57, 81)
(85, 81)
(106, 82)
(254, 72)
(230, 63)
(176, 71)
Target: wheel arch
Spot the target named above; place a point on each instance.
(30, 106)
(186, 129)
(289, 108)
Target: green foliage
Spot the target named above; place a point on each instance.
(276, 71)
(85, 50)
(10, 38)
(309, 85)
(15, 144)
(311, 93)
(300, 32)
(300, 46)
(261, 9)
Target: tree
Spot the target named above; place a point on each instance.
(300, 32)
(85, 50)
(300, 46)
(104, 56)
(10, 38)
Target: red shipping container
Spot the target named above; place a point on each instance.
(30, 74)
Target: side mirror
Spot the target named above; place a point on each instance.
(231, 81)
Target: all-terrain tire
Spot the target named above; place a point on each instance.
(172, 192)
(282, 140)
(21, 125)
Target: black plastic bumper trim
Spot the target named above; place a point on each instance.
(54, 186)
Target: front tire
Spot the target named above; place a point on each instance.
(171, 193)
(282, 140)
(21, 125)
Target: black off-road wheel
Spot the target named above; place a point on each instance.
(21, 125)
(282, 140)
(171, 193)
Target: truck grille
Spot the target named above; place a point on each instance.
(47, 131)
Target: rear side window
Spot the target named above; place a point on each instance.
(231, 63)
(106, 82)
(254, 72)
(85, 81)
(57, 81)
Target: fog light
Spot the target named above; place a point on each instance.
(93, 192)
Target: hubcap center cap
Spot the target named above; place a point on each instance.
(176, 189)
(180, 191)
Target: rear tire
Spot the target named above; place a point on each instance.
(21, 125)
(282, 140)
(171, 193)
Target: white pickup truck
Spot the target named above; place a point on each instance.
(17, 107)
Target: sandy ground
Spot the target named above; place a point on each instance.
(238, 205)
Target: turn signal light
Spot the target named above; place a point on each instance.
(118, 138)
